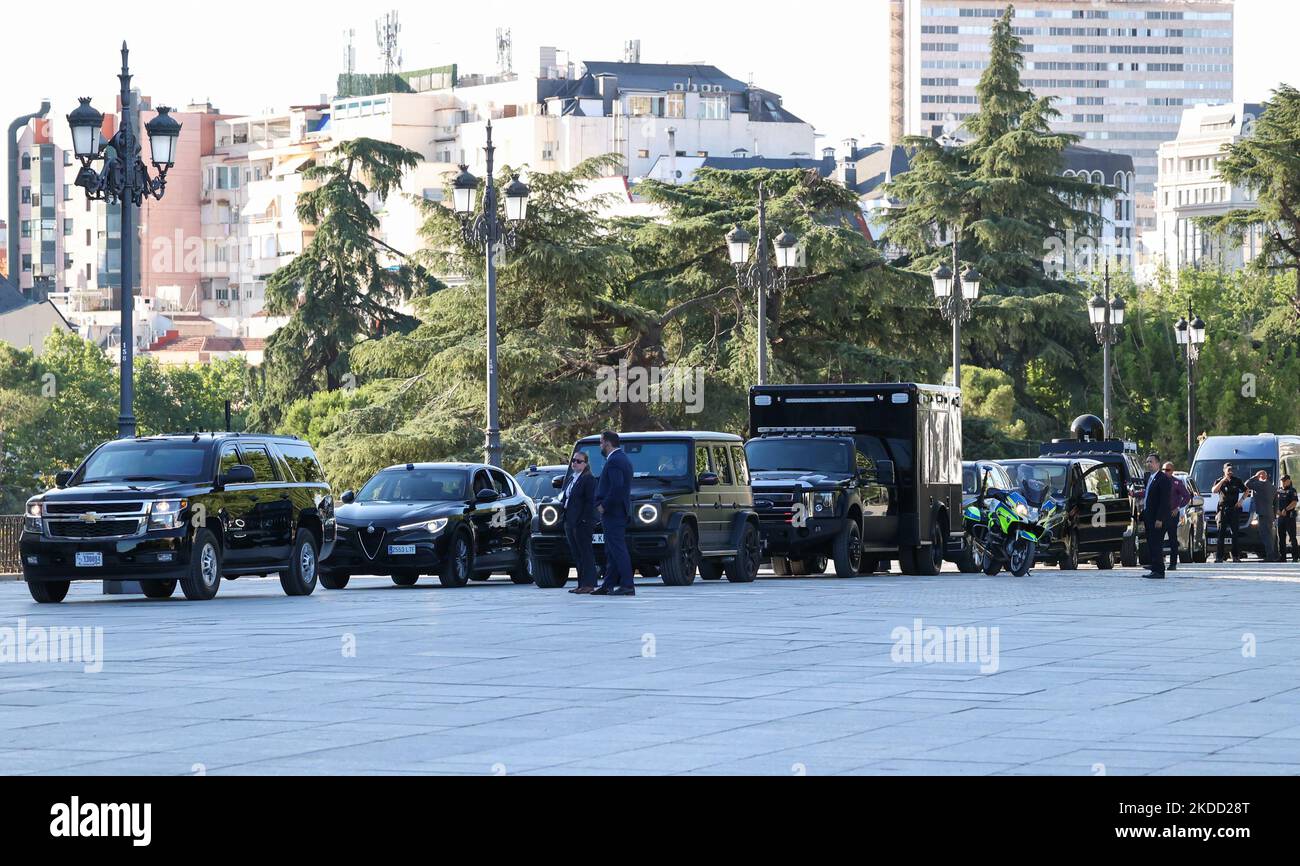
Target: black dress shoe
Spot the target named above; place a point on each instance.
(624, 591)
(1151, 575)
(1172, 567)
(600, 590)
(583, 590)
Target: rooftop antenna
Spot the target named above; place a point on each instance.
(386, 32)
(350, 57)
(505, 52)
(632, 51)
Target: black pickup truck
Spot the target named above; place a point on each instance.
(187, 508)
(860, 474)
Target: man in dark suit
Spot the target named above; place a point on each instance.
(614, 503)
(579, 498)
(1156, 507)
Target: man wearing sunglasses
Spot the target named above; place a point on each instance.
(579, 498)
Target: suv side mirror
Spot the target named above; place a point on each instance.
(885, 472)
(708, 479)
(557, 482)
(1198, 501)
(61, 480)
(348, 497)
(485, 496)
(239, 474)
(1088, 498)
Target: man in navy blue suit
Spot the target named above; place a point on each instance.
(579, 498)
(614, 503)
(1156, 507)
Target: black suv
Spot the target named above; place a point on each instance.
(460, 521)
(1094, 514)
(811, 491)
(1127, 475)
(692, 511)
(192, 508)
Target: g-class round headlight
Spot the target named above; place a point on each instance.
(550, 515)
(647, 513)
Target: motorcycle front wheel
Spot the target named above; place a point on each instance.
(1022, 558)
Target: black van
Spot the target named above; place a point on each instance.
(188, 508)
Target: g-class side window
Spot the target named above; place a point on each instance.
(723, 464)
(702, 464)
(739, 465)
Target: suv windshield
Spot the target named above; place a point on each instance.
(143, 460)
(799, 455)
(667, 460)
(414, 485)
(1206, 473)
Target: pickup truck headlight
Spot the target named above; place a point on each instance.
(647, 513)
(550, 515)
(166, 513)
(820, 502)
(433, 527)
(32, 518)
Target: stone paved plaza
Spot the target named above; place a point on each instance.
(1094, 672)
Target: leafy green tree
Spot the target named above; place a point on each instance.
(340, 289)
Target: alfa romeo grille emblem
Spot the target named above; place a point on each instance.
(371, 529)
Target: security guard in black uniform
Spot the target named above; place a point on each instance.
(1230, 489)
(1288, 502)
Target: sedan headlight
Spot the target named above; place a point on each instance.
(433, 527)
(648, 513)
(166, 513)
(550, 515)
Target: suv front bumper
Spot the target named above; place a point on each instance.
(159, 555)
(646, 546)
(780, 537)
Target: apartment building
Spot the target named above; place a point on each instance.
(1189, 187)
(1122, 70)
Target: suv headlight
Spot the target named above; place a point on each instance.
(647, 513)
(438, 524)
(166, 513)
(32, 517)
(550, 515)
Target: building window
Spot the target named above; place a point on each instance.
(27, 162)
(26, 228)
(714, 108)
(67, 261)
(67, 192)
(27, 261)
(26, 191)
(675, 105)
(643, 153)
(67, 228)
(67, 158)
(645, 106)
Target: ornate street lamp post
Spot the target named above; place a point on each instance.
(125, 180)
(483, 228)
(955, 302)
(1106, 315)
(1190, 332)
(760, 276)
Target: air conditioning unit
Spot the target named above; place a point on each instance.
(678, 86)
(223, 302)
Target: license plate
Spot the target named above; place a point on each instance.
(90, 560)
(401, 549)
(598, 538)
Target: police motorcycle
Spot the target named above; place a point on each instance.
(1008, 526)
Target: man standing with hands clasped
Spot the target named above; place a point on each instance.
(1155, 514)
(1287, 502)
(614, 502)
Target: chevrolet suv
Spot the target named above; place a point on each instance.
(190, 508)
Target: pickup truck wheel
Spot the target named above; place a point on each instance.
(744, 568)
(459, 564)
(300, 577)
(1105, 561)
(334, 579)
(1069, 558)
(406, 579)
(781, 566)
(158, 588)
(679, 569)
(924, 561)
(203, 579)
(49, 592)
(550, 575)
(968, 561)
(847, 550)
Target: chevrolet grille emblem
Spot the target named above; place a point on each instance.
(90, 517)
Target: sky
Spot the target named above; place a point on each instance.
(831, 64)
